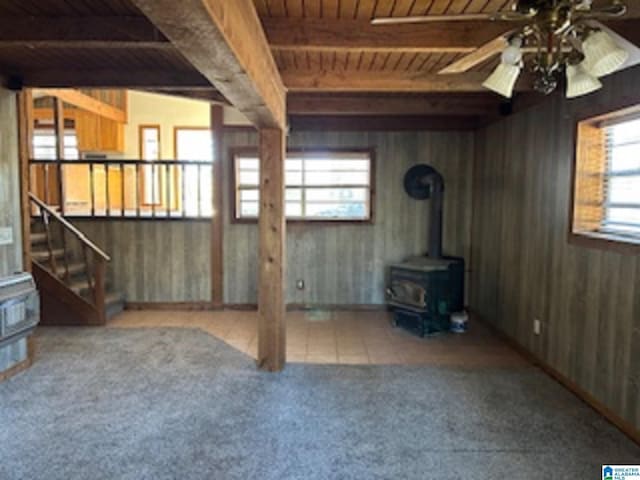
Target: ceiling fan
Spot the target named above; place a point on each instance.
(563, 36)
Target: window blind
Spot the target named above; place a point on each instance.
(622, 179)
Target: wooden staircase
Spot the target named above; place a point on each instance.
(70, 272)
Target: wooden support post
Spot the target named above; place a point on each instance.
(58, 126)
(217, 258)
(271, 294)
(25, 132)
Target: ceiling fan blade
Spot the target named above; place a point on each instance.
(507, 15)
(431, 18)
(478, 56)
(613, 10)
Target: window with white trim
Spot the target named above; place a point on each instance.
(622, 179)
(320, 185)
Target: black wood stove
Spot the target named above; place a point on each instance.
(424, 291)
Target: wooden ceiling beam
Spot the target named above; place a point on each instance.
(85, 102)
(119, 30)
(86, 44)
(384, 123)
(374, 81)
(207, 95)
(359, 35)
(111, 78)
(303, 104)
(225, 42)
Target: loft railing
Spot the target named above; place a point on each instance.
(125, 189)
(93, 260)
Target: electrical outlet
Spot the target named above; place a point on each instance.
(537, 326)
(6, 236)
(300, 284)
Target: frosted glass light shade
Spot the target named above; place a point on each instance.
(503, 79)
(512, 55)
(580, 82)
(602, 55)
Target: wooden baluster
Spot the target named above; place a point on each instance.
(87, 270)
(107, 193)
(167, 176)
(153, 190)
(59, 177)
(199, 193)
(47, 200)
(63, 234)
(122, 186)
(184, 190)
(138, 200)
(99, 288)
(47, 230)
(92, 190)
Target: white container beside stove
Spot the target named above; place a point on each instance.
(459, 322)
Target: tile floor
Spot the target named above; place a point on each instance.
(339, 337)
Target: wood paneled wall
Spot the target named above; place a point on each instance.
(10, 255)
(156, 261)
(346, 264)
(523, 267)
(162, 261)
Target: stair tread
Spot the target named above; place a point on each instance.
(44, 254)
(74, 269)
(79, 286)
(37, 238)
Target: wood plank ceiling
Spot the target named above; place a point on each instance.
(332, 60)
(379, 71)
(381, 59)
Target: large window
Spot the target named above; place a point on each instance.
(607, 178)
(320, 185)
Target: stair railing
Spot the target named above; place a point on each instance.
(95, 271)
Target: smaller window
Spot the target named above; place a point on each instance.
(607, 178)
(320, 186)
(44, 144)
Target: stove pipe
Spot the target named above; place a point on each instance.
(435, 183)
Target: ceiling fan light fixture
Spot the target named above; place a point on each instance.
(602, 55)
(512, 55)
(503, 79)
(580, 82)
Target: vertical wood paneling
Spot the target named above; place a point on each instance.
(346, 264)
(524, 268)
(156, 261)
(10, 255)
(162, 261)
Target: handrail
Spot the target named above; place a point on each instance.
(114, 161)
(70, 227)
(126, 188)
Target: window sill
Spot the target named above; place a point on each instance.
(318, 223)
(606, 241)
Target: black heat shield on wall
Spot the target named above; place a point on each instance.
(424, 182)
